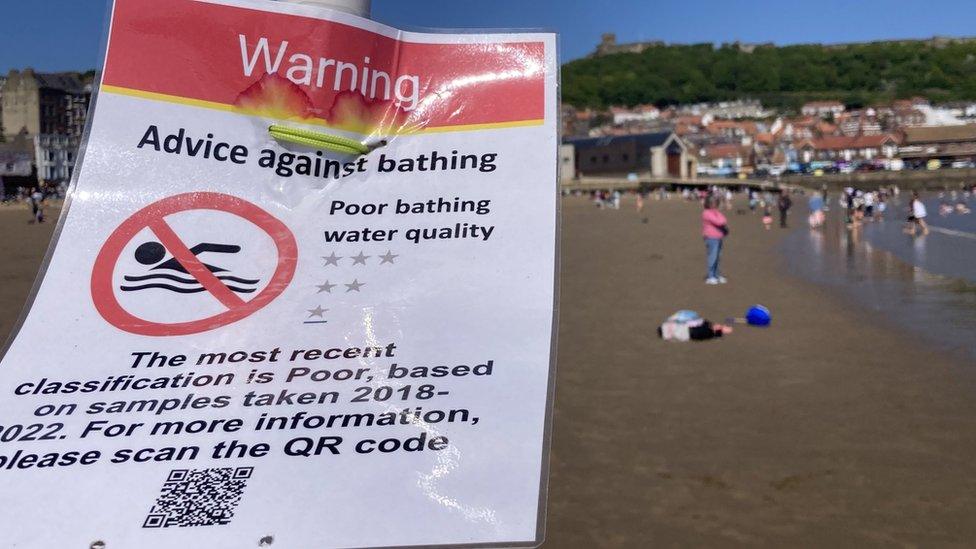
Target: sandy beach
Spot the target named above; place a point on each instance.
(22, 248)
(826, 429)
(829, 428)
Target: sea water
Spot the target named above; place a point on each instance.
(925, 284)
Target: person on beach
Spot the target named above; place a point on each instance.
(714, 229)
(858, 206)
(767, 217)
(917, 218)
(944, 208)
(816, 204)
(869, 205)
(784, 204)
(36, 200)
(689, 326)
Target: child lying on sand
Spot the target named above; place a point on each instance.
(687, 325)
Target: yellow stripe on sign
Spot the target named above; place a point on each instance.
(213, 105)
(169, 98)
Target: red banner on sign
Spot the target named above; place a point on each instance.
(301, 68)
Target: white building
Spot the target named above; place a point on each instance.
(640, 113)
(55, 156)
(743, 108)
(822, 108)
(940, 116)
(567, 162)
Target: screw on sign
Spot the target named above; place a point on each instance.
(185, 260)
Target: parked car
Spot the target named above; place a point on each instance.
(844, 167)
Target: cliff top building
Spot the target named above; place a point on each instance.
(608, 45)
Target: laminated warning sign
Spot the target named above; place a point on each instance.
(302, 293)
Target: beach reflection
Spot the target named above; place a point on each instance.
(925, 284)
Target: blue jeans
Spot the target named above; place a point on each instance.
(713, 247)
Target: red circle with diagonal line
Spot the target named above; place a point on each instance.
(153, 217)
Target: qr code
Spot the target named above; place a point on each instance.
(198, 497)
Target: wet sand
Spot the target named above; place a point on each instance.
(827, 429)
(922, 284)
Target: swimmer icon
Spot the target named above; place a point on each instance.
(153, 253)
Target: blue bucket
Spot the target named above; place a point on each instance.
(757, 315)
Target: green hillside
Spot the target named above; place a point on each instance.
(779, 76)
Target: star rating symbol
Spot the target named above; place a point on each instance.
(388, 257)
(359, 259)
(317, 311)
(354, 286)
(332, 259)
(327, 288)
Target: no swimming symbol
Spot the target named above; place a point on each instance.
(187, 273)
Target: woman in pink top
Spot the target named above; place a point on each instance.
(714, 228)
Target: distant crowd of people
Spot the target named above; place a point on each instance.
(859, 207)
(870, 205)
(954, 202)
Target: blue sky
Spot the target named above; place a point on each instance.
(55, 35)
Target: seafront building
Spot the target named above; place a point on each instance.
(43, 115)
(656, 155)
(953, 146)
(55, 156)
(17, 169)
(44, 103)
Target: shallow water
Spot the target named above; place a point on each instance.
(923, 284)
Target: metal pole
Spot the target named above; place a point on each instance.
(355, 7)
